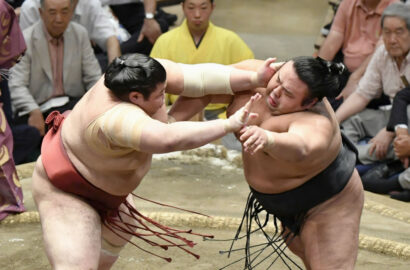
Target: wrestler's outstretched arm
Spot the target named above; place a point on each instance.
(157, 137)
(205, 79)
(304, 138)
(186, 107)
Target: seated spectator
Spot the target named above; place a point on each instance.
(402, 150)
(390, 62)
(198, 40)
(355, 31)
(25, 138)
(58, 67)
(91, 15)
(12, 46)
(141, 20)
(399, 184)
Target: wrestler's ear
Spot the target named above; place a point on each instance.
(310, 103)
(135, 98)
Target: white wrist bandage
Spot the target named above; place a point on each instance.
(271, 139)
(206, 79)
(227, 126)
(254, 79)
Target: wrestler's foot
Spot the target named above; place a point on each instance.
(401, 195)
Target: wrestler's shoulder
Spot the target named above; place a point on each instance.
(121, 111)
(126, 107)
(307, 118)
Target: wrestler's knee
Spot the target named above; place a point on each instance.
(110, 249)
(109, 254)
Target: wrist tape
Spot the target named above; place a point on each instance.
(271, 139)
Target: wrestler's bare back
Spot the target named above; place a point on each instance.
(269, 174)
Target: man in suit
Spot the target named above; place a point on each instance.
(91, 15)
(58, 68)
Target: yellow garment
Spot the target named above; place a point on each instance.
(218, 45)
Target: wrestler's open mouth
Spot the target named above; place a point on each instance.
(272, 102)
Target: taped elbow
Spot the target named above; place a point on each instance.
(206, 79)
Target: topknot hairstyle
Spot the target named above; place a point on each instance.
(134, 73)
(323, 78)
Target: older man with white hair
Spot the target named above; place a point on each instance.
(388, 72)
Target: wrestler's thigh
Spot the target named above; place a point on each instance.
(71, 228)
(112, 237)
(330, 234)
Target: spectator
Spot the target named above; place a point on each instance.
(355, 31)
(390, 62)
(91, 15)
(198, 40)
(402, 150)
(12, 46)
(399, 184)
(25, 138)
(58, 68)
(141, 20)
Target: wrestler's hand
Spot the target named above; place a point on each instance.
(240, 118)
(380, 143)
(254, 138)
(36, 120)
(268, 69)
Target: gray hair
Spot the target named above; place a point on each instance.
(400, 10)
(42, 3)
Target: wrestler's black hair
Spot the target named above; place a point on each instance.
(134, 73)
(323, 78)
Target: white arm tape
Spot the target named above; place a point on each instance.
(206, 79)
(271, 139)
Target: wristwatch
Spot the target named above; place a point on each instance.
(149, 15)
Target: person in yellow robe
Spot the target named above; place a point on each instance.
(197, 40)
